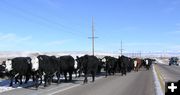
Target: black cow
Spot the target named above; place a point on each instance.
(101, 65)
(88, 64)
(147, 63)
(130, 65)
(48, 66)
(67, 66)
(111, 65)
(18, 67)
(122, 63)
(2, 71)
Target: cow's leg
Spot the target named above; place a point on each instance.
(106, 72)
(125, 72)
(75, 72)
(113, 71)
(65, 76)
(122, 71)
(93, 76)
(20, 78)
(70, 76)
(106, 69)
(16, 79)
(58, 77)
(33, 77)
(41, 79)
(79, 73)
(85, 77)
(36, 80)
(45, 80)
(11, 78)
(49, 79)
(109, 71)
(27, 78)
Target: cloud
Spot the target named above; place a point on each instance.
(10, 37)
(144, 44)
(11, 41)
(7, 37)
(25, 38)
(171, 6)
(176, 30)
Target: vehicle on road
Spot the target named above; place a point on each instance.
(173, 61)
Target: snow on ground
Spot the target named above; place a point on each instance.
(157, 83)
(162, 61)
(4, 84)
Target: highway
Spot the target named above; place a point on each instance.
(169, 73)
(135, 83)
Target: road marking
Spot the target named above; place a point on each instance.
(64, 89)
(72, 87)
(157, 83)
(161, 78)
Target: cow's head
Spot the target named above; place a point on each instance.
(147, 61)
(79, 61)
(35, 63)
(104, 59)
(7, 65)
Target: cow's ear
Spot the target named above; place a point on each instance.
(77, 57)
(40, 58)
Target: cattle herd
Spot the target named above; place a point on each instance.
(43, 68)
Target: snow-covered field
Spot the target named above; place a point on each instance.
(160, 61)
(6, 55)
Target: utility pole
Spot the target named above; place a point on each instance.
(92, 36)
(121, 48)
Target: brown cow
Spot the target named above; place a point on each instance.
(137, 64)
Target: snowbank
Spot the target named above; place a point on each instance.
(160, 61)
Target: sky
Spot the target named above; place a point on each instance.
(65, 25)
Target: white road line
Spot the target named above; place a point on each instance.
(71, 87)
(64, 89)
(157, 83)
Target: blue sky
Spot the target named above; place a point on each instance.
(65, 25)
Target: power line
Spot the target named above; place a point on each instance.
(43, 19)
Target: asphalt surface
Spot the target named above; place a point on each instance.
(169, 73)
(135, 83)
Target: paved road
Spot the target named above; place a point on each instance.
(169, 73)
(135, 83)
